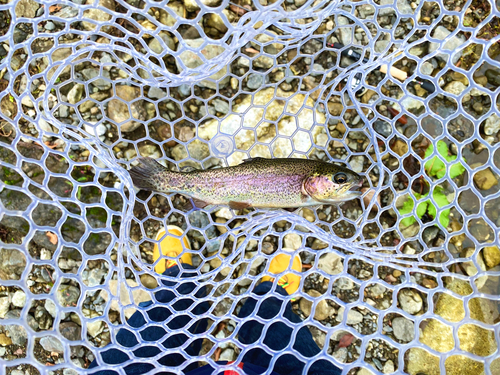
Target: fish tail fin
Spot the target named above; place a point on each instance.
(149, 175)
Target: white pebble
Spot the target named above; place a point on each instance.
(293, 241)
(354, 317)
(19, 299)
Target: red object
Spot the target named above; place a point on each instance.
(346, 340)
(402, 119)
(231, 372)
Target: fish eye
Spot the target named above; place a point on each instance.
(340, 178)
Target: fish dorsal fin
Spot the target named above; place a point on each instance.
(187, 169)
(252, 160)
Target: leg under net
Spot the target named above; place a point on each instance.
(157, 339)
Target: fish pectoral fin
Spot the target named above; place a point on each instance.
(239, 205)
(199, 203)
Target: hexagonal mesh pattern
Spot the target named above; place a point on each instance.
(404, 280)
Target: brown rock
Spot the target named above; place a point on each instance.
(485, 179)
(118, 110)
(400, 147)
(491, 255)
(4, 340)
(335, 109)
(322, 310)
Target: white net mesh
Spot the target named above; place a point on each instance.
(405, 280)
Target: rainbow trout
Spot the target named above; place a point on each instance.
(258, 182)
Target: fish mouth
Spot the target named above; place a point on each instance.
(348, 195)
(354, 188)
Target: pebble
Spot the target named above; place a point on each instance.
(221, 106)
(49, 25)
(4, 306)
(130, 154)
(491, 255)
(344, 283)
(331, 263)
(411, 105)
(403, 329)
(255, 81)
(98, 15)
(91, 73)
(52, 344)
(156, 93)
(293, 241)
(227, 355)
(26, 8)
(354, 317)
(50, 307)
(12, 263)
(378, 290)
(344, 34)
(429, 234)
(492, 125)
(215, 263)
(192, 5)
(98, 130)
(455, 88)
(45, 126)
(199, 219)
(45, 254)
(198, 150)
(4, 340)
(95, 276)
(95, 328)
(335, 109)
(17, 334)
(452, 44)
(410, 301)
(67, 295)
(383, 128)
(118, 110)
(485, 179)
(225, 213)
(19, 298)
(322, 310)
(75, 94)
(400, 147)
(70, 331)
(427, 68)
(184, 90)
(493, 77)
(157, 47)
(357, 163)
(26, 100)
(340, 355)
(388, 367)
(192, 60)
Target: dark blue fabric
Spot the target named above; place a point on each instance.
(248, 369)
(278, 336)
(256, 361)
(157, 335)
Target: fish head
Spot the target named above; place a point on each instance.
(332, 184)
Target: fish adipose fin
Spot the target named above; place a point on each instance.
(239, 205)
(199, 203)
(144, 175)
